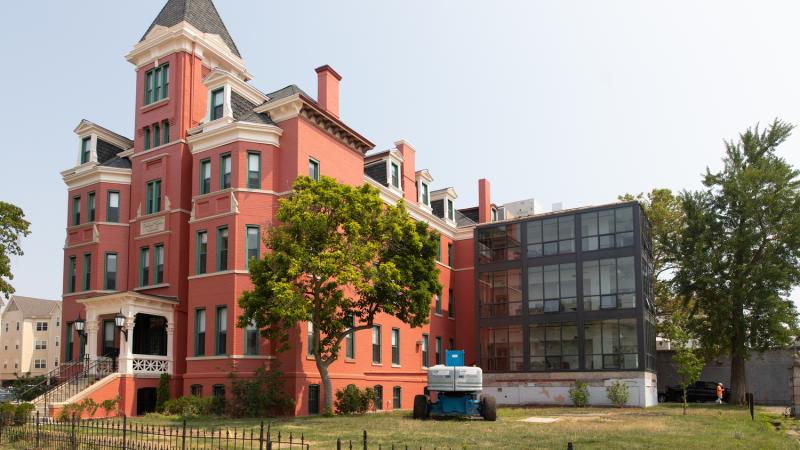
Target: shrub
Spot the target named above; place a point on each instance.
(26, 388)
(7, 412)
(579, 393)
(218, 405)
(23, 413)
(110, 405)
(260, 396)
(189, 406)
(70, 411)
(352, 400)
(162, 393)
(618, 393)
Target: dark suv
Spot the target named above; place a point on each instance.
(701, 391)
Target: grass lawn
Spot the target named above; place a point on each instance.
(708, 426)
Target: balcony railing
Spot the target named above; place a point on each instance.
(150, 364)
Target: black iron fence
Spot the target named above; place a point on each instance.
(112, 434)
(125, 435)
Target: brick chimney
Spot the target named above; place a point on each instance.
(484, 201)
(408, 172)
(328, 89)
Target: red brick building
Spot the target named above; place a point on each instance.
(161, 227)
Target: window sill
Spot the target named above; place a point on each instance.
(396, 366)
(377, 364)
(451, 317)
(154, 105)
(437, 314)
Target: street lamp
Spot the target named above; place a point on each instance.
(119, 321)
(80, 326)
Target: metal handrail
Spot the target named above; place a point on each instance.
(93, 370)
(51, 378)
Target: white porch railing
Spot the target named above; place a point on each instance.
(150, 364)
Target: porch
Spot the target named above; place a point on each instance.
(134, 331)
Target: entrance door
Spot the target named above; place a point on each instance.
(145, 401)
(109, 331)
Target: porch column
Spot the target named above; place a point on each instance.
(91, 338)
(170, 341)
(126, 346)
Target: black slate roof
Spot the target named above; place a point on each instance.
(243, 111)
(202, 14)
(120, 163)
(377, 172)
(106, 151)
(288, 91)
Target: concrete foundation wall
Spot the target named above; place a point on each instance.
(553, 388)
(769, 375)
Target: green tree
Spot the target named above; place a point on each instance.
(664, 211)
(12, 226)
(687, 358)
(739, 251)
(337, 258)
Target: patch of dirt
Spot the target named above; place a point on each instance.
(540, 419)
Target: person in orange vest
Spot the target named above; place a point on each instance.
(720, 393)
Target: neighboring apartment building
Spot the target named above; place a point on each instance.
(30, 336)
(161, 227)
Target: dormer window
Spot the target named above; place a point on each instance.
(86, 150)
(494, 214)
(217, 103)
(424, 196)
(396, 175)
(156, 84)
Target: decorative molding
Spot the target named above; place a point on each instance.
(235, 132)
(218, 78)
(234, 204)
(210, 48)
(152, 235)
(151, 226)
(90, 173)
(335, 130)
(282, 109)
(152, 286)
(217, 274)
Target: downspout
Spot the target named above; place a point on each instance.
(191, 90)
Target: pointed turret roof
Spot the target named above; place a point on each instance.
(202, 14)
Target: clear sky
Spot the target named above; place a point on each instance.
(563, 101)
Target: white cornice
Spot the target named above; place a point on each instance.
(283, 109)
(425, 176)
(218, 77)
(233, 132)
(162, 41)
(90, 173)
(391, 197)
(87, 128)
(442, 193)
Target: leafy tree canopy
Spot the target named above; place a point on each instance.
(12, 226)
(338, 257)
(739, 251)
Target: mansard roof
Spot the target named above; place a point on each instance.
(202, 14)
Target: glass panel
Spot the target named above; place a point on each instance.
(550, 248)
(568, 279)
(551, 282)
(589, 244)
(624, 219)
(535, 283)
(537, 340)
(627, 336)
(591, 278)
(566, 227)
(567, 246)
(606, 241)
(625, 274)
(534, 232)
(550, 230)
(589, 224)
(608, 276)
(625, 239)
(605, 222)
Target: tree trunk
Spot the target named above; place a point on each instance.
(738, 380)
(738, 377)
(685, 402)
(327, 387)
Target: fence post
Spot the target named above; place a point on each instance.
(338, 443)
(183, 435)
(37, 429)
(365, 439)
(73, 440)
(569, 446)
(261, 436)
(124, 431)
